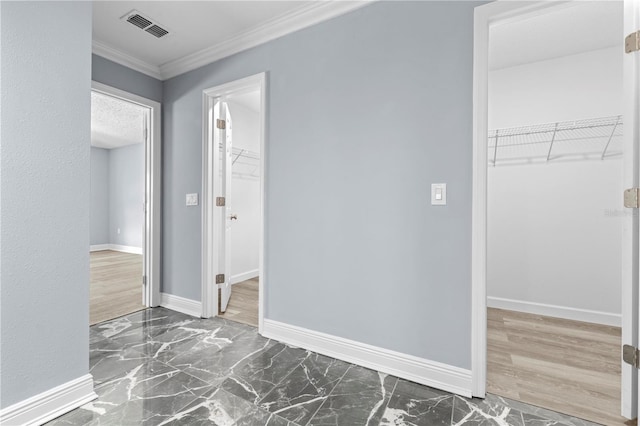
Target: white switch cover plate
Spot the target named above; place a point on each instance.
(438, 194)
(192, 199)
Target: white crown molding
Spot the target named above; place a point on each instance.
(310, 14)
(305, 16)
(125, 59)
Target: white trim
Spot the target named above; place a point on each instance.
(50, 404)
(209, 211)
(310, 13)
(576, 314)
(125, 249)
(485, 16)
(125, 59)
(181, 304)
(116, 247)
(238, 278)
(419, 370)
(151, 249)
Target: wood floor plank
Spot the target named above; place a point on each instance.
(567, 366)
(115, 286)
(243, 304)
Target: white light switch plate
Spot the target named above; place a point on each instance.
(192, 199)
(438, 194)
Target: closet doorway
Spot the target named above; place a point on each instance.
(125, 203)
(233, 201)
(554, 212)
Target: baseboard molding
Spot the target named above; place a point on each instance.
(181, 304)
(116, 247)
(419, 370)
(238, 278)
(575, 314)
(50, 404)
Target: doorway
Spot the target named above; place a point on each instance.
(125, 203)
(555, 315)
(233, 201)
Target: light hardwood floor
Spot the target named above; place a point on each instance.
(567, 366)
(116, 285)
(243, 304)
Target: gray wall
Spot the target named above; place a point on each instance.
(99, 219)
(365, 111)
(115, 75)
(44, 229)
(126, 194)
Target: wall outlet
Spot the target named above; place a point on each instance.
(192, 199)
(118, 230)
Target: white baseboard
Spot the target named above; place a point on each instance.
(50, 404)
(116, 247)
(575, 314)
(238, 278)
(419, 370)
(180, 304)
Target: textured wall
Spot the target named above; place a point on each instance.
(365, 111)
(99, 219)
(44, 166)
(126, 195)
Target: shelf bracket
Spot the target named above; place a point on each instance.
(237, 156)
(553, 138)
(495, 150)
(615, 126)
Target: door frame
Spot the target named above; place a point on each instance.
(153, 196)
(209, 212)
(485, 16)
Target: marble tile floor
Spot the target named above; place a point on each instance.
(160, 367)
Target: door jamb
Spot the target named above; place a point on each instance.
(209, 250)
(153, 194)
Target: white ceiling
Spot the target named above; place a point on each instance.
(573, 28)
(199, 31)
(114, 122)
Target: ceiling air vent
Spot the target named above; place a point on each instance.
(145, 23)
(157, 31)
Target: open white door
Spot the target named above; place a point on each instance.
(225, 234)
(631, 259)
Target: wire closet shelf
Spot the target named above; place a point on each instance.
(589, 139)
(246, 163)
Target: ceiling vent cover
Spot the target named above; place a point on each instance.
(145, 23)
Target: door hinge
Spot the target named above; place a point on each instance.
(220, 279)
(632, 198)
(221, 124)
(144, 280)
(220, 201)
(631, 355)
(632, 42)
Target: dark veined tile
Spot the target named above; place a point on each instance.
(135, 382)
(108, 364)
(256, 377)
(302, 392)
(218, 407)
(358, 399)
(414, 404)
(479, 412)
